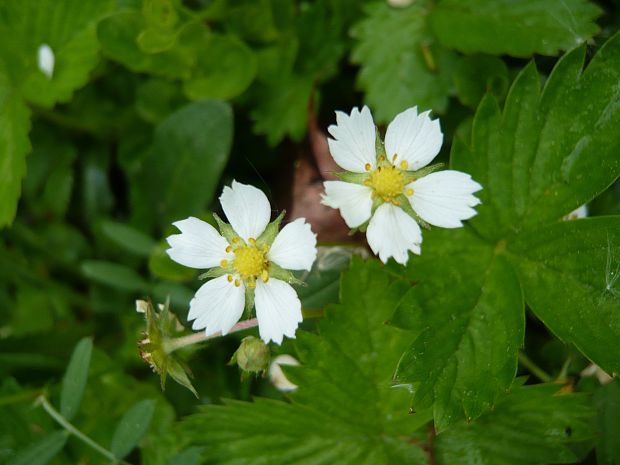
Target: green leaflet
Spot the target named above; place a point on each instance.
(401, 66)
(607, 401)
(533, 425)
(516, 28)
(345, 411)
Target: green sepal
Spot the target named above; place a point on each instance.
(403, 202)
(215, 273)
(347, 176)
(226, 230)
(379, 146)
(271, 231)
(280, 273)
(411, 176)
(249, 300)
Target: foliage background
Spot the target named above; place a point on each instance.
(155, 104)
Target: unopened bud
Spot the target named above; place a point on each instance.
(252, 355)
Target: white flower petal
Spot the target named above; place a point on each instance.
(198, 246)
(414, 138)
(353, 200)
(353, 143)
(393, 233)
(46, 60)
(294, 247)
(445, 198)
(217, 306)
(278, 310)
(277, 376)
(247, 209)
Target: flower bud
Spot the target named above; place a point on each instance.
(252, 355)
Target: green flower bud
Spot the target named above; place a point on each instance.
(252, 356)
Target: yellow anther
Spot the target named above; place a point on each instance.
(394, 158)
(230, 278)
(237, 283)
(252, 284)
(252, 241)
(229, 249)
(264, 276)
(381, 158)
(235, 239)
(367, 166)
(387, 182)
(404, 165)
(409, 192)
(224, 263)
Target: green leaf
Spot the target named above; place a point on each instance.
(406, 70)
(570, 275)
(14, 145)
(162, 266)
(476, 75)
(607, 401)
(68, 28)
(533, 425)
(113, 275)
(75, 378)
(515, 28)
(345, 410)
(42, 451)
(129, 238)
(132, 427)
(190, 456)
(190, 150)
(468, 305)
(223, 71)
(546, 153)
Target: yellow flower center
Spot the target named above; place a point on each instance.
(387, 182)
(249, 262)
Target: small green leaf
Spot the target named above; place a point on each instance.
(607, 401)
(41, 451)
(515, 28)
(129, 238)
(74, 381)
(113, 275)
(132, 427)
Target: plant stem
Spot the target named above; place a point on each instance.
(174, 344)
(62, 421)
(533, 368)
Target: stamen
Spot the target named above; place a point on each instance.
(235, 239)
(252, 241)
(224, 263)
(264, 276)
(409, 192)
(394, 158)
(229, 249)
(404, 164)
(381, 158)
(237, 283)
(230, 278)
(367, 166)
(252, 284)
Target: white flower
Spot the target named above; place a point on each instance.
(45, 60)
(388, 188)
(249, 262)
(277, 376)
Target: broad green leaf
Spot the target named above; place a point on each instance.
(518, 28)
(400, 65)
(546, 153)
(156, 98)
(570, 275)
(532, 426)
(132, 427)
(345, 410)
(113, 275)
(14, 145)
(224, 70)
(190, 150)
(129, 238)
(607, 401)
(476, 75)
(42, 451)
(67, 27)
(468, 310)
(75, 378)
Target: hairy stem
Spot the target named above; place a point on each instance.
(541, 374)
(184, 341)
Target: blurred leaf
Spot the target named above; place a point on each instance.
(157, 98)
(42, 451)
(406, 70)
(129, 238)
(463, 326)
(14, 145)
(114, 275)
(515, 28)
(162, 266)
(476, 75)
(224, 70)
(33, 311)
(569, 272)
(345, 410)
(132, 427)
(191, 456)
(190, 150)
(533, 425)
(160, 19)
(607, 402)
(75, 379)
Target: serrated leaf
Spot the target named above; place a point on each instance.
(607, 401)
(129, 238)
(76, 376)
(14, 145)
(547, 153)
(41, 451)
(570, 274)
(132, 427)
(515, 28)
(406, 70)
(182, 170)
(345, 410)
(114, 275)
(531, 426)
(468, 310)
